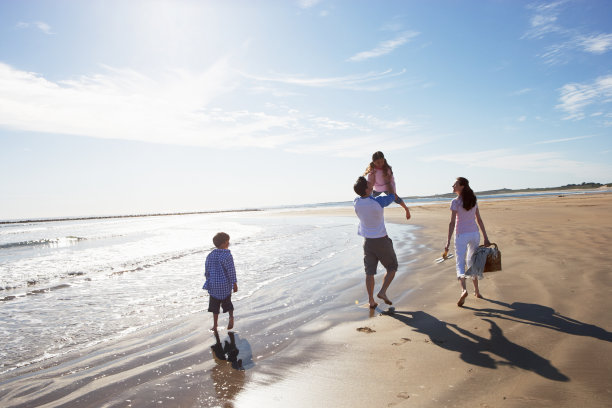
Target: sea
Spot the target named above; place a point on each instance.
(69, 284)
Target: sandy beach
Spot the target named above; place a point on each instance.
(540, 337)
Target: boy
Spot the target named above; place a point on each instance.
(220, 279)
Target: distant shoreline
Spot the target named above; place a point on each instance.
(504, 191)
(105, 217)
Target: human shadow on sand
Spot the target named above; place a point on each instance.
(542, 316)
(477, 350)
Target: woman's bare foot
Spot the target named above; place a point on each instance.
(462, 298)
(384, 297)
(230, 325)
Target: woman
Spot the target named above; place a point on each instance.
(466, 218)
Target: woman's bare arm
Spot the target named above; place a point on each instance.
(482, 227)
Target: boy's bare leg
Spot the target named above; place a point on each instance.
(215, 320)
(370, 289)
(230, 325)
(382, 294)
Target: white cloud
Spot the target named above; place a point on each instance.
(567, 139)
(124, 104)
(597, 44)
(522, 91)
(370, 81)
(508, 159)
(181, 107)
(308, 3)
(568, 40)
(576, 97)
(385, 47)
(44, 27)
(544, 19)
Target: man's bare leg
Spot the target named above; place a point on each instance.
(382, 294)
(370, 288)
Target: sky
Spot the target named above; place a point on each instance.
(131, 107)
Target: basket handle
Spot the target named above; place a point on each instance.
(492, 244)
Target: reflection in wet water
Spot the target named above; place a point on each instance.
(228, 374)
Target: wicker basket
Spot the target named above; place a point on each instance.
(493, 263)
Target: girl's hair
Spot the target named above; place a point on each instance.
(387, 171)
(467, 194)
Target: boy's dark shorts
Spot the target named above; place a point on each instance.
(214, 303)
(379, 249)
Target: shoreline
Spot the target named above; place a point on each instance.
(511, 194)
(538, 338)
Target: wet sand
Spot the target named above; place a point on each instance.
(541, 337)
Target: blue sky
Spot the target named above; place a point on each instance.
(115, 107)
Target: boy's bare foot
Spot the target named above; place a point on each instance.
(384, 297)
(230, 325)
(373, 305)
(462, 298)
(214, 329)
(478, 295)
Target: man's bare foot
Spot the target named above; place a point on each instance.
(385, 298)
(230, 325)
(373, 305)
(478, 295)
(214, 329)
(462, 298)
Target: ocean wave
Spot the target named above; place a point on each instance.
(52, 242)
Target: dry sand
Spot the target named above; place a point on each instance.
(540, 338)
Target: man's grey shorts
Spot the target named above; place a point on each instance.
(379, 249)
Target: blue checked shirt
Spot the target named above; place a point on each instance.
(220, 273)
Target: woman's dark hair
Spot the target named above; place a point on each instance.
(220, 239)
(360, 186)
(467, 194)
(387, 171)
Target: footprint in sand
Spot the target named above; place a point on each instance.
(400, 363)
(365, 330)
(403, 340)
(403, 395)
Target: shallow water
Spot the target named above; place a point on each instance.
(70, 284)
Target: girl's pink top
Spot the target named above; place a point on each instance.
(466, 220)
(381, 183)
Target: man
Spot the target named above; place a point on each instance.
(377, 246)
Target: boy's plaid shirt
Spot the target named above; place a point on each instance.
(220, 273)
